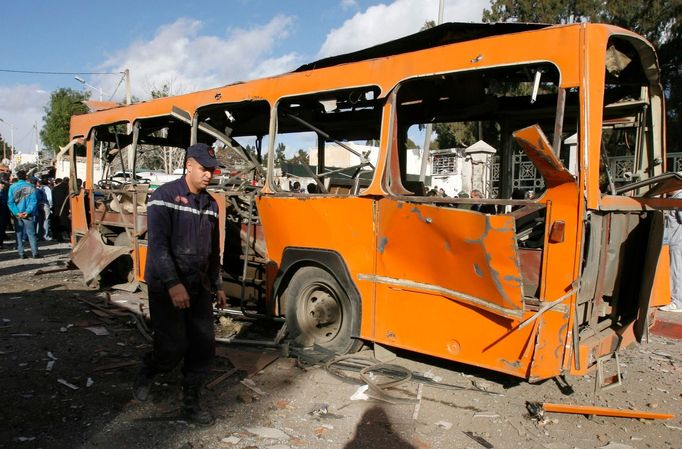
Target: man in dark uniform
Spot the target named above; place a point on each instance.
(182, 274)
(60, 209)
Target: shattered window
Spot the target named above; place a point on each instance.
(626, 153)
(472, 116)
(111, 148)
(240, 134)
(327, 143)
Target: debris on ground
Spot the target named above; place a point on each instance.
(67, 384)
(251, 385)
(267, 432)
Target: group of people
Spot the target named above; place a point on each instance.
(36, 209)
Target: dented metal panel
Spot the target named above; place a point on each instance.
(537, 147)
(462, 255)
(91, 255)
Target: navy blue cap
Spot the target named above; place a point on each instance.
(203, 154)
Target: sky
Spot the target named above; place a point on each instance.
(186, 44)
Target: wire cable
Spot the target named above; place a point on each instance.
(38, 72)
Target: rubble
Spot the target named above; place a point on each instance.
(268, 432)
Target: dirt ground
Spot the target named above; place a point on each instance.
(64, 386)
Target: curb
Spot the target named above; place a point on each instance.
(667, 329)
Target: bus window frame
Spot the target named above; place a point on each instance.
(393, 157)
(274, 132)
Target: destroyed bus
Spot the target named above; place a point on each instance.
(533, 287)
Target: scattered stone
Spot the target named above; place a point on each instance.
(613, 445)
(98, 330)
(245, 398)
(282, 404)
(420, 444)
(652, 405)
(89, 382)
(319, 409)
(268, 432)
(444, 425)
(231, 440)
(67, 384)
(251, 385)
(320, 431)
(486, 415)
(24, 439)
(430, 375)
(359, 394)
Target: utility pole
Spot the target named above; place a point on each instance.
(429, 128)
(129, 127)
(11, 144)
(126, 75)
(35, 129)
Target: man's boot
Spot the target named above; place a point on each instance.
(191, 406)
(142, 384)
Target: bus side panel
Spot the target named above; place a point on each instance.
(341, 224)
(141, 254)
(560, 271)
(660, 293)
(432, 324)
(79, 223)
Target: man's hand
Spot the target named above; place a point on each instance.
(221, 299)
(22, 215)
(179, 296)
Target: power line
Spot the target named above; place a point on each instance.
(36, 72)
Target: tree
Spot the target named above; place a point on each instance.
(163, 92)
(5, 148)
(300, 158)
(64, 103)
(161, 157)
(548, 11)
(454, 135)
(659, 21)
(280, 157)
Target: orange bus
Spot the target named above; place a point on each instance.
(551, 282)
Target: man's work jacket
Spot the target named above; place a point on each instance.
(183, 238)
(22, 198)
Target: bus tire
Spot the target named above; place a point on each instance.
(319, 312)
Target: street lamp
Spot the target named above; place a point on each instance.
(11, 145)
(82, 81)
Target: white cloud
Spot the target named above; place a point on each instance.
(21, 106)
(348, 4)
(179, 54)
(382, 22)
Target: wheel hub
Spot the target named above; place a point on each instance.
(321, 317)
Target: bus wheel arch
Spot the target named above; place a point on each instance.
(321, 304)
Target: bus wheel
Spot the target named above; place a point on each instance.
(319, 312)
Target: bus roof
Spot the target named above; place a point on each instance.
(444, 34)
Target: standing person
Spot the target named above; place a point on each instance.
(183, 243)
(23, 204)
(41, 198)
(47, 208)
(60, 209)
(4, 210)
(673, 234)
